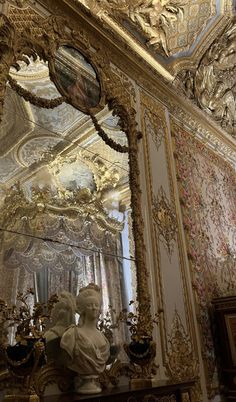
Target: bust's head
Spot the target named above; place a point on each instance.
(64, 310)
(88, 302)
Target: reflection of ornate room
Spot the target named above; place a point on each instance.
(150, 105)
(70, 190)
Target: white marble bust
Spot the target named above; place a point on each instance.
(87, 347)
(62, 316)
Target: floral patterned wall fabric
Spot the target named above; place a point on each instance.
(207, 188)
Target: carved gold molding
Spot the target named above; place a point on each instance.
(154, 121)
(181, 362)
(149, 110)
(165, 219)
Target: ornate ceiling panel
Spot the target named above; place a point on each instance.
(166, 27)
(59, 120)
(33, 149)
(182, 34)
(42, 140)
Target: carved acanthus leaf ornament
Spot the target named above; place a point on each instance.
(181, 363)
(213, 84)
(151, 17)
(165, 219)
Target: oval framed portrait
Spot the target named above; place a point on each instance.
(76, 79)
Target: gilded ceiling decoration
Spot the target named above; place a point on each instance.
(169, 26)
(212, 84)
(176, 34)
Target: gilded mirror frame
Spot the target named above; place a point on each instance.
(56, 33)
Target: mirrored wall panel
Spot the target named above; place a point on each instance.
(65, 212)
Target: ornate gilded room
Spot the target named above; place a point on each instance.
(118, 200)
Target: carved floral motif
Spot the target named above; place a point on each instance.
(165, 219)
(155, 126)
(181, 364)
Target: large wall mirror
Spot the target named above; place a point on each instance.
(65, 199)
(70, 208)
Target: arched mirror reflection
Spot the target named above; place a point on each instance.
(65, 213)
(76, 78)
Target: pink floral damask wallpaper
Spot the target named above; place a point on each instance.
(207, 188)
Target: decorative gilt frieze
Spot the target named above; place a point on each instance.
(212, 84)
(165, 219)
(181, 363)
(223, 148)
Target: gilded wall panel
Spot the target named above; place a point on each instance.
(207, 189)
(165, 224)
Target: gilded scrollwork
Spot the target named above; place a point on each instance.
(212, 84)
(155, 127)
(165, 219)
(64, 201)
(181, 363)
